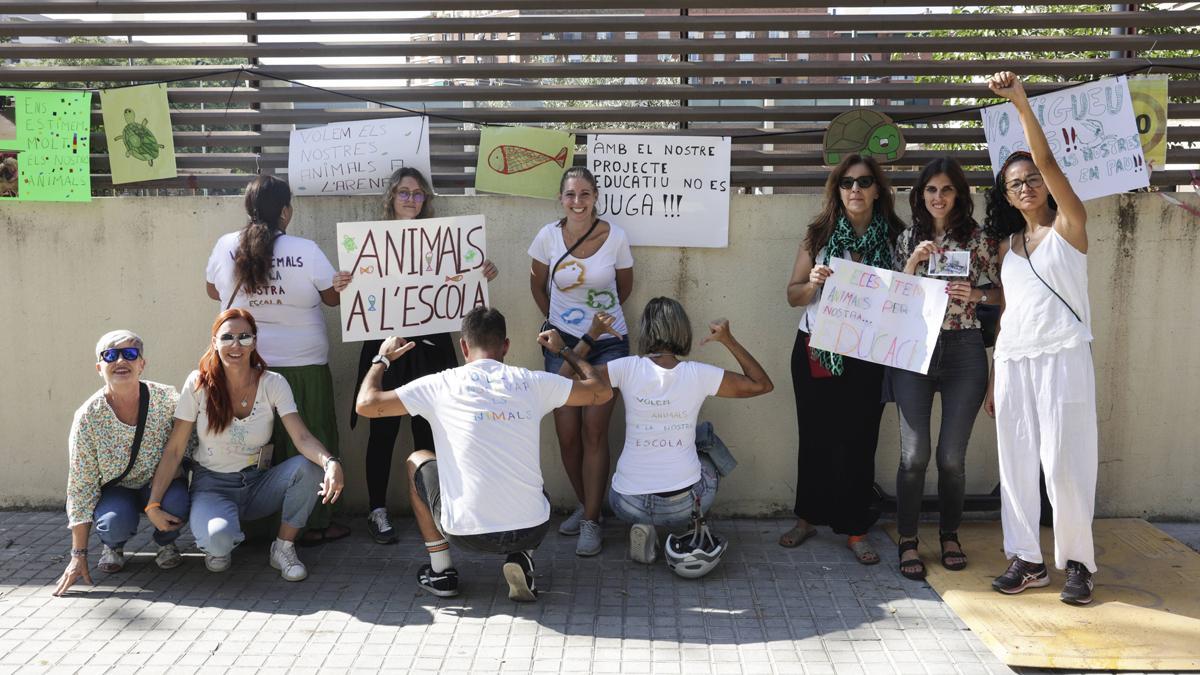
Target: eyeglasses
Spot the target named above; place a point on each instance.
(127, 353)
(243, 339)
(406, 196)
(863, 182)
(1034, 182)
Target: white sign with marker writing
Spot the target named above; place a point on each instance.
(664, 190)
(356, 158)
(1092, 132)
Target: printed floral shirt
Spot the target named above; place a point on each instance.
(985, 269)
(100, 444)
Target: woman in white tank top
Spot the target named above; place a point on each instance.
(1043, 392)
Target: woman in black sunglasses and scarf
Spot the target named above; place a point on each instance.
(838, 399)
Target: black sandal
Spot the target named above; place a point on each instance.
(959, 557)
(911, 569)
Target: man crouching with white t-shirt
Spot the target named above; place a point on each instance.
(483, 489)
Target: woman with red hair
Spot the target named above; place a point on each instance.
(232, 401)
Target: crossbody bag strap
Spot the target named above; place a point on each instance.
(550, 277)
(143, 412)
(1025, 244)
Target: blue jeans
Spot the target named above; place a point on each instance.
(608, 349)
(221, 500)
(117, 512)
(672, 512)
(959, 369)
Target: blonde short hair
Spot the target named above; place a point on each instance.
(115, 337)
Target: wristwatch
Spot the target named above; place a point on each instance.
(380, 358)
(563, 352)
(325, 466)
(983, 297)
(589, 341)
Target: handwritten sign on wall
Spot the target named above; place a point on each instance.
(47, 139)
(1092, 133)
(137, 124)
(880, 316)
(356, 158)
(1149, 94)
(525, 161)
(411, 277)
(664, 190)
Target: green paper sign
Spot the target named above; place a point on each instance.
(524, 161)
(137, 123)
(45, 145)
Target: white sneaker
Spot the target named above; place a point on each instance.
(217, 563)
(643, 543)
(284, 559)
(168, 557)
(111, 559)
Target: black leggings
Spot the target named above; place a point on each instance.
(380, 443)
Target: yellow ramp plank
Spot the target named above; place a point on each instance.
(1145, 615)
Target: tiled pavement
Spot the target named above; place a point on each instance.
(765, 610)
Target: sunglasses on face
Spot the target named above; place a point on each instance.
(243, 339)
(406, 196)
(127, 353)
(1034, 182)
(863, 182)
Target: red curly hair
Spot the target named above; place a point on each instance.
(219, 405)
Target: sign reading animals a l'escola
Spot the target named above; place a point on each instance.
(137, 124)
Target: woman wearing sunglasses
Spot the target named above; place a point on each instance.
(408, 196)
(1043, 393)
(942, 222)
(838, 399)
(284, 280)
(233, 402)
(104, 488)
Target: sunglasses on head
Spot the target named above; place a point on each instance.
(243, 339)
(406, 196)
(863, 182)
(127, 353)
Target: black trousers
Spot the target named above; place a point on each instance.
(838, 421)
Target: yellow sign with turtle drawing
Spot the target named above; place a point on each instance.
(137, 126)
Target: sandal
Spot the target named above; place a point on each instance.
(952, 560)
(863, 552)
(333, 532)
(912, 568)
(796, 536)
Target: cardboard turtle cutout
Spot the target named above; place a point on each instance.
(865, 132)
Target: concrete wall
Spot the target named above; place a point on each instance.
(75, 271)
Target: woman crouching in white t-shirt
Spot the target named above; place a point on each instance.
(232, 401)
(660, 476)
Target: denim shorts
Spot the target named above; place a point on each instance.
(609, 349)
(672, 512)
(428, 488)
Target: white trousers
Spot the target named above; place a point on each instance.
(1046, 413)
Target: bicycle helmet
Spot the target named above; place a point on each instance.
(695, 553)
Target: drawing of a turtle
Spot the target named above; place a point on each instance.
(139, 141)
(863, 131)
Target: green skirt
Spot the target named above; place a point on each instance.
(312, 387)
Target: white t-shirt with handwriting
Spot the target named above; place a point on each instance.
(237, 446)
(486, 419)
(583, 286)
(661, 407)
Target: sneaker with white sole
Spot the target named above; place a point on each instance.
(381, 528)
(518, 572)
(643, 543)
(111, 559)
(217, 563)
(168, 557)
(284, 559)
(443, 584)
(1079, 586)
(1021, 575)
(590, 536)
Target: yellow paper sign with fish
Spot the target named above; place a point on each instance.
(524, 161)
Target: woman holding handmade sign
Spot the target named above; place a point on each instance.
(284, 280)
(593, 272)
(839, 399)
(943, 242)
(1043, 392)
(408, 196)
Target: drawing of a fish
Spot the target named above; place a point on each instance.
(456, 277)
(510, 159)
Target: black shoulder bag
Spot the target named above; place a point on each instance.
(143, 411)
(547, 325)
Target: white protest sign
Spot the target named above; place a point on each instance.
(355, 158)
(664, 190)
(411, 277)
(1092, 132)
(880, 316)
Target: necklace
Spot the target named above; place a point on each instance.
(244, 402)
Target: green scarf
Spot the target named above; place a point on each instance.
(874, 249)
